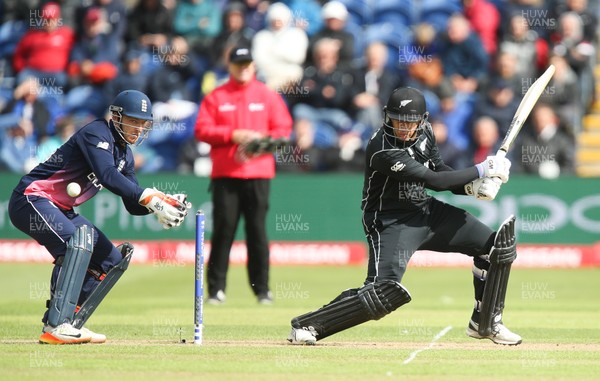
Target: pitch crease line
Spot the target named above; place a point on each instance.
(435, 339)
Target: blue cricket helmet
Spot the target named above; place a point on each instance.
(132, 104)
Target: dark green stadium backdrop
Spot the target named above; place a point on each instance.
(326, 207)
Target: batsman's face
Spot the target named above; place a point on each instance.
(242, 72)
(405, 130)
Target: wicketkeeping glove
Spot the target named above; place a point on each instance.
(168, 210)
(182, 198)
(264, 145)
(484, 188)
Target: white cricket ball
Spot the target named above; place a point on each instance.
(73, 189)
(549, 170)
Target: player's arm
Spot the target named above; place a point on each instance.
(97, 147)
(482, 188)
(133, 206)
(440, 166)
(96, 144)
(398, 164)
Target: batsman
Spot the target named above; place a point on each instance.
(86, 264)
(400, 217)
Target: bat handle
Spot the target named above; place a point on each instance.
(501, 153)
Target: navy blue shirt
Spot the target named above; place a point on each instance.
(95, 157)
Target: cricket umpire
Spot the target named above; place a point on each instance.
(232, 118)
(400, 217)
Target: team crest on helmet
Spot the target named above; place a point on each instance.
(405, 102)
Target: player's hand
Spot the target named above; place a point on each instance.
(495, 166)
(168, 210)
(483, 189)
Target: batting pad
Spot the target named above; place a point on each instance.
(503, 254)
(99, 293)
(370, 302)
(72, 273)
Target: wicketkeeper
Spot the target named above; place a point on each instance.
(399, 217)
(86, 263)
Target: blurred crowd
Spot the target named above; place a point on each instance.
(334, 62)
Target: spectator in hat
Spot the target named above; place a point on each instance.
(279, 49)
(334, 15)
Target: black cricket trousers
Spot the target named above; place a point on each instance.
(232, 199)
(394, 237)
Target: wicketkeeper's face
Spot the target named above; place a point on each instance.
(133, 129)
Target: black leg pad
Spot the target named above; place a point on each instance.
(503, 254)
(371, 302)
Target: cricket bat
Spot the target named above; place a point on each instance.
(529, 100)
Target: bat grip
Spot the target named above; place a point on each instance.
(501, 153)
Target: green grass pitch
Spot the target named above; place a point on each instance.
(148, 313)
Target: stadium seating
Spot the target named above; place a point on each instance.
(393, 35)
(360, 12)
(395, 11)
(437, 12)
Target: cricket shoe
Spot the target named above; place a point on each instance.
(97, 338)
(301, 336)
(63, 334)
(218, 298)
(500, 334)
(265, 298)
